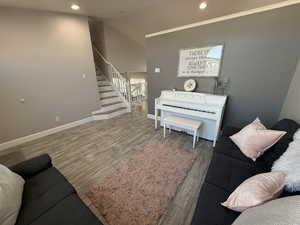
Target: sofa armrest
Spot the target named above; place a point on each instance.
(229, 131)
(31, 167)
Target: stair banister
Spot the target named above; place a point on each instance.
(119, 82)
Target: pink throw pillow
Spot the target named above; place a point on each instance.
(254, 139)
(256, 190)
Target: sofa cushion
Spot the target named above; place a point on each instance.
(228, 173)
(229, 131)
(226, 146)
(287, 194)
(281, 146)
(290, 126)
(70, 211)
(41, 193)
(31, 167)
(209, 211)
(228, 169)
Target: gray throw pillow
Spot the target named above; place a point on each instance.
(283, 211)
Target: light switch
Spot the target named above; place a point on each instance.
(84, 76)
(157, 70)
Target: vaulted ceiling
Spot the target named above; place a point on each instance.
(173, 13)
(135, 18)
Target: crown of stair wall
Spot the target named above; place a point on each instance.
(112, 104)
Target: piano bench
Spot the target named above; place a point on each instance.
(184, 123)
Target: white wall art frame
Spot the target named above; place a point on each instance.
(200, 62)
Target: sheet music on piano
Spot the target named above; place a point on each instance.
(198, 106)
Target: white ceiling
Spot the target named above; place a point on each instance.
(135, 18)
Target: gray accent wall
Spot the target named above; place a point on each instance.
(43, 57)
(260, 57)
(291, 106)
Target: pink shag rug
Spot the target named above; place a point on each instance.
(139, 192)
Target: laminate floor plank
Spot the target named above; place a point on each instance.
(88, 153)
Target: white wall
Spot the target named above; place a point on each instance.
(291, 106)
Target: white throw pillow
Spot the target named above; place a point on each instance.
(297, 135)
(289, 162)
(11, 190)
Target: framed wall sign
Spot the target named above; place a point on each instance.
(200, 62)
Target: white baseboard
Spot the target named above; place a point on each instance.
(152, 117)
(44, 133)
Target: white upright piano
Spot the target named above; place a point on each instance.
(198, 106)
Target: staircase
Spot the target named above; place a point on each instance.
(114, 90)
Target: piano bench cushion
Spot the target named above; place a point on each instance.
(181, 121)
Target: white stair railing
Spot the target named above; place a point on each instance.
(120, 83)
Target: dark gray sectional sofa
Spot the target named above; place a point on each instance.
(48, 198)
(229, 168)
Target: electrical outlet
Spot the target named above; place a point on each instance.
(57, 118)
(22, 100)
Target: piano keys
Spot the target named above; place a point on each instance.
(207, 108)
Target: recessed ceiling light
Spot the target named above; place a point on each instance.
(203, 5)
(75, 7)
